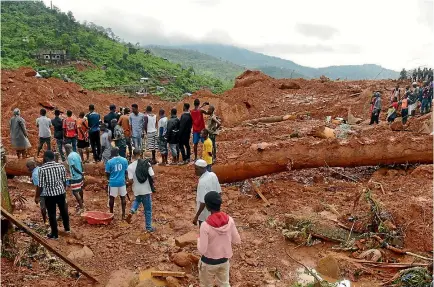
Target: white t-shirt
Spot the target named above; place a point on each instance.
(139, 188)
(162, 123)
(152, 121)
(44, 124)
(207, 182)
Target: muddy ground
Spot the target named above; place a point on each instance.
(122, 252)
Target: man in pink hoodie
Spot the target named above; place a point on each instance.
(217, 234)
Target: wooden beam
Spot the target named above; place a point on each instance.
(42, 241)
(267, 203)
(167, 274)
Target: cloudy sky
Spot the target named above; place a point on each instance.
(316, 33)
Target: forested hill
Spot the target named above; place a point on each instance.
(99, 58)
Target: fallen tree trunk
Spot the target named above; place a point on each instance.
(299, 154)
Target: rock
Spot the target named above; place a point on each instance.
(290, 85)
(10, 81)
(83, 91)
(181, 259)
(328, 266)
(186, 239)
(30, 73)
(324, 79)
(84, 252)
(324, 133)
(122, 278)
(194, 259)
(397, 126)
(252, 262)
(352, 120)
(256, 219)
(371, 255)
(172, 282)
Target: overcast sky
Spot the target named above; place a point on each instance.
(316, 33)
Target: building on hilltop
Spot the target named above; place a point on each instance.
(51, 57)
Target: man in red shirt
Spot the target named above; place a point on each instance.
(198, 124)
(70, 130)
(83, 137)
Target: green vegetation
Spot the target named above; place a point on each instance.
(201, 63)
(28, 27)
(253, 60)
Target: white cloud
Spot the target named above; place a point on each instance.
(316, 33)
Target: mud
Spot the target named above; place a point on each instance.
(315, 190)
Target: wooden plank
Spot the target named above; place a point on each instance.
(167, 274)
(267, 203)
(42, 241)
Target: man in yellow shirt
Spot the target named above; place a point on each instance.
(207, 149)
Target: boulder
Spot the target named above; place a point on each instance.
(186, 239)
(181, 259)
(172, 282)
(82, 253)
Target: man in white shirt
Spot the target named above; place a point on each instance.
(150, 127)
(141, 174)
(43, 123)
(208, 181)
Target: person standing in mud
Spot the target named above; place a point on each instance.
(172, 135)
(208, 181)
(76, 171)
(93, 120)
(34, 169)
(70, 130)
(43, 123)
(162, 142)
(106, 143)
(404, 109)
(18, 132)
(119, 138)
(213, 126)
(57, 124)
(124, 122)
(185, 125)
(83, 137)
(150, 126)
(137, 122)
(52, 180)
(376, 109)
(110, 116)
(116, 171)
(198, 124)
(217, 234)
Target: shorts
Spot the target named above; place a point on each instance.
(173, 149)
(115, 191)
(152, 141)
(76, 184)
(42, 202)
(82, 144)
(197, 137)
(162, 145)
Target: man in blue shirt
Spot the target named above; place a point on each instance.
(34, 169)
(93, 120)
(77, 176)
(116, 171)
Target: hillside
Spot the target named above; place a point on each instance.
(98, 58)
(253, 60)
(280, 73)
(201, 63)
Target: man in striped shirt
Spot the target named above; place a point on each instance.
(52, 179)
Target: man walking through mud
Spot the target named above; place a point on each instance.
(208, 181)
(70, 130)
(150, 126)
(52, 180)
(198, 124)
(76, 170)
(213, 126)
(185, 125)
(57, 124)
(93, 120)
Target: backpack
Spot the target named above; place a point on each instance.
(142, 173)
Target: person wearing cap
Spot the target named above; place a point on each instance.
(217, 233)
(110, 116)
(106, 143)
(208, 181)
(18, 132)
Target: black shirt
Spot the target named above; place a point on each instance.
(58, 128)
(172, 133)
(185, 125)
(108, 119)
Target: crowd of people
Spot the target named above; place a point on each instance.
(119, 140)
(406, 102)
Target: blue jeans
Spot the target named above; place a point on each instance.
(146, 200)
(73, 142)
(137, 143)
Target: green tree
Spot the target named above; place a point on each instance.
(403, 74)
(66, 40)
(74, 51)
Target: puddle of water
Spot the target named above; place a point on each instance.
(146, 275)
